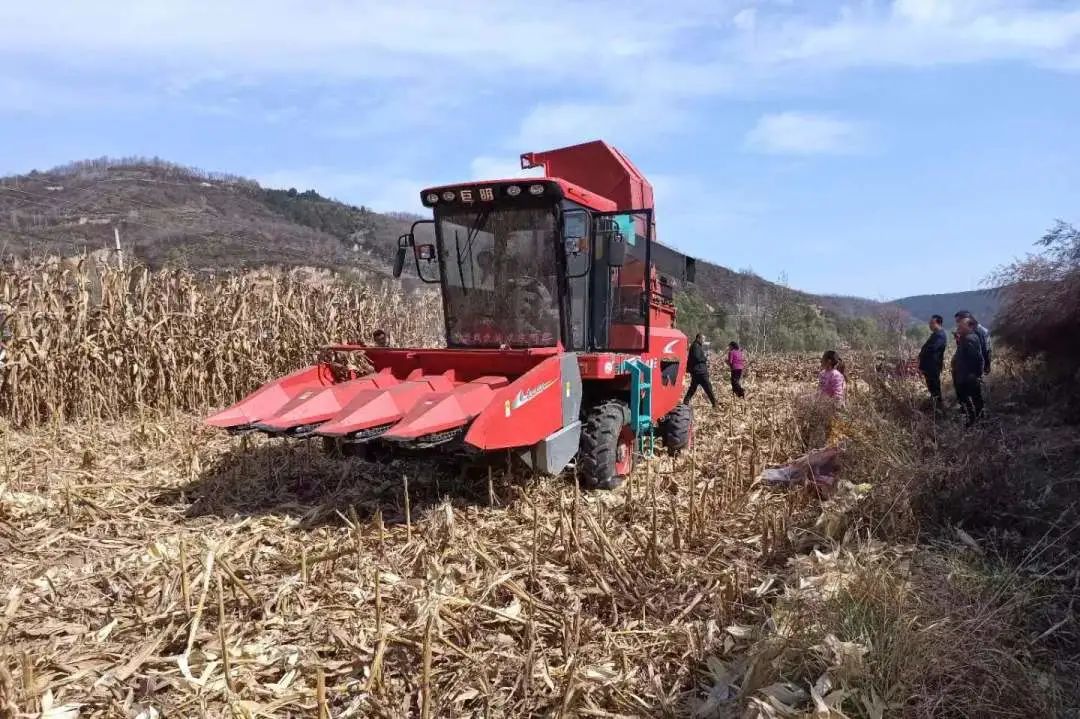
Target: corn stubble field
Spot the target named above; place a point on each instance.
(155, 568)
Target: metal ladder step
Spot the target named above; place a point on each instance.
(640, 402)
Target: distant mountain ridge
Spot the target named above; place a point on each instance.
(984, 304)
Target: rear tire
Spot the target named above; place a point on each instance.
(676, 428)
(599, 451)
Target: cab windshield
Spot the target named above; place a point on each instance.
(500, 276)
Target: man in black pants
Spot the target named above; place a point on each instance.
(698, 364)
(932, 358)
(967, 370)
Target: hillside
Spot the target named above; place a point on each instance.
(169, 215)
(728, 287)
(983, 304)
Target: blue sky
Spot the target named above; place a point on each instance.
(869, 147)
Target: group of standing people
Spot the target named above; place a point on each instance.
(832, 379)
(698, 366)
(970, 363)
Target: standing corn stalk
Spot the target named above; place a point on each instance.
(92, 340)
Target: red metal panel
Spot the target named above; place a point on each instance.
(271, 397)
(604, 365)
(378, 408)
(314, 406)
(466, 364)
(522, 413)
(447, 410)
(598, 167)
(444, 369)
(666, 343)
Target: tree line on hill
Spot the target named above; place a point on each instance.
(1035, 308)
(780, 321)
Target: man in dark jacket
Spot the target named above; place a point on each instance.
(967, 369)
(698, 365)
(982, 333)
(932, 358)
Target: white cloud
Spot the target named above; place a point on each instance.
(24, 93)
(499, 168)
(652, 63)
(619, 120)
(410, 69)
(941, 11)
(802, 133)
(919, 33)
(555, 124)
(745, 19)
(692, 50)
(339, 39)
(412, 60)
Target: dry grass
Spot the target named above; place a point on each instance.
(535, 600)
(897, 630)
(89, 340)
(156, 568)
(957, 593)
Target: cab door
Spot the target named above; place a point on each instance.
(621, 283)
(577, 236)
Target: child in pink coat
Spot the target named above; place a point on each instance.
(833, 380)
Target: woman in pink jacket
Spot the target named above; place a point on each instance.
(736, 362)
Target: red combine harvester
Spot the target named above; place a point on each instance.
(559, 329)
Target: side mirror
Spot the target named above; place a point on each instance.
(576, 246)
(426, 252)
(616, 250)
(403, 243)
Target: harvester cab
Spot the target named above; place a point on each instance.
(559, 318)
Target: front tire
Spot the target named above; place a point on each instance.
(601, 463)
(676, 429)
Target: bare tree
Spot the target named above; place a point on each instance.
(1039, 313)
(751, 302)
(893, 320)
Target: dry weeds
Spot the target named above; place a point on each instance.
(139, 549)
